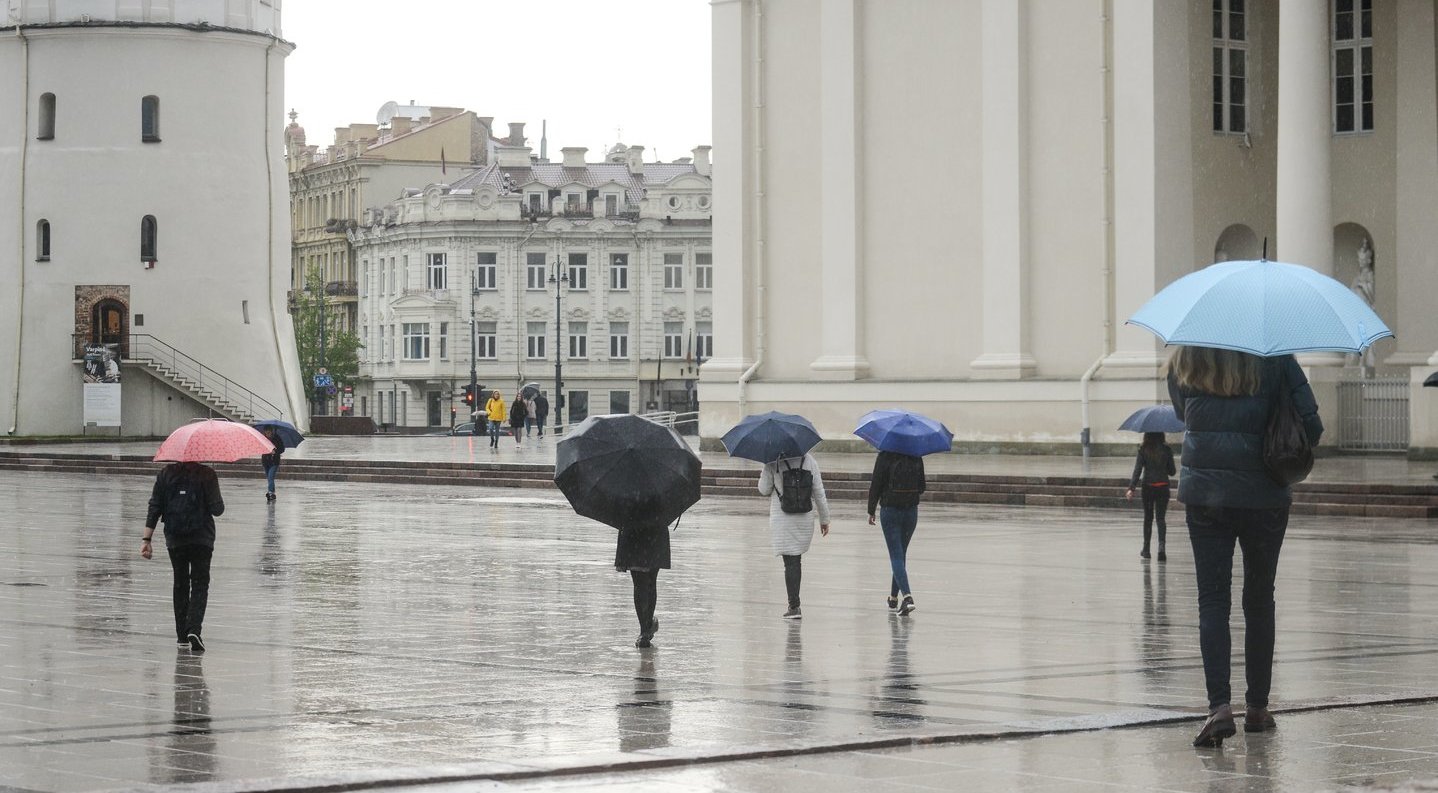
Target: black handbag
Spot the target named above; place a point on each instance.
(1287, 454)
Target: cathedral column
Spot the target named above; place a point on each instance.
(1305, 206)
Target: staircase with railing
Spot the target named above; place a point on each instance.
(186, 374)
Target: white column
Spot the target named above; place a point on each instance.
(1305, 208)
(841, 216)
(1005, 192)
(1416, 203)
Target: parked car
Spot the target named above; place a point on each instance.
(459, 429)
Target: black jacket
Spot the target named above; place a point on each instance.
(214, 505)
(642, 548)
(1223, 444)
(273, 458)
(518, 412)
(898, 481)
(1156, 474)
(541, 407)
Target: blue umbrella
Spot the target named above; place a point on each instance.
(771, 436)
(289, 434)
(1154, 418)
(1261, 307)
(904, 432)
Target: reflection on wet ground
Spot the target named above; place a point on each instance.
(374, 629)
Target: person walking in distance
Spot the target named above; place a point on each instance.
(517, 415)
(186, 496)
(1224, 399)
(528, 416)
(1153, 468)
(895, 487)
(494, 408)
(541, 412)
(271, 462)
(796, 492)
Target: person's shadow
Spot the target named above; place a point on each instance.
(896, 701)
(191, 745)
(646, 721)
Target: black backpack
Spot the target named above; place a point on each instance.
(185, 508)
(796, 494)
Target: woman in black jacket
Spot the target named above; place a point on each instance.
(642, 551)
(1224, 399)
(894, 489)
(1153, 468)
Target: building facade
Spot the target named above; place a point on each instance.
(1076, 158)
(144, 212)
(477, 265)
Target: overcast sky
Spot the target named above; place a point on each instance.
(590, 67)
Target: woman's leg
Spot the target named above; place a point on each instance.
(1148, 514)
(270, 472)
(1212, 536)
(180, 591)
(646, 596)
(1160, 516)
(893, 520)
(1260, 534)
(793, 572)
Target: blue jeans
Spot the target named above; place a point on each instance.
(898, 524)
(270, 471)
(1259, 532)
(494, 433)
(528, 425)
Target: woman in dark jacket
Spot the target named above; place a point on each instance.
(1224, 399)
(643, 551)
(894, 489)
(1153, 468)
(517, 413)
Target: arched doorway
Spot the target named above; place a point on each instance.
(110, 324)
(1237, 243)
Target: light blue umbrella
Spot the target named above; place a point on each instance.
(1261, 307)
(904, 432)
(1154, 418)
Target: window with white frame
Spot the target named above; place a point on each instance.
(673, 271)
(703, 340)
(444, 341)
(534, 271)
(1230, 66)
(579, 271)
(486, 270)
(1352, 66)
(704, 271)
(674, 340)
(611, 205)
(619, 340)
(434, 271)
(534, 340)
(619, 271)
(579, 340)
(393, 275)
(416, 341)
(485, 343)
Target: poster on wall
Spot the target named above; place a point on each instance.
(102, 363)
(102, 385)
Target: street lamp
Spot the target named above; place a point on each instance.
(560, 281)
(473, 342)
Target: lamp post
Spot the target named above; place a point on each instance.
(473, 343)
(560, 281)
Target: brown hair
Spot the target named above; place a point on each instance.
(1214, 371)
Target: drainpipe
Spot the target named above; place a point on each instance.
(20, 238)
(270, 239)
(760, 256)
(1106, 33)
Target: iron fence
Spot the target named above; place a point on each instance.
(1373, 413)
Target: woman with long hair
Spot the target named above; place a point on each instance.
(1153, 468)
(1224, 398)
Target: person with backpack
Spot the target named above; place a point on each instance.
(187, 497)
(796, 491)
(894, 489)
(271, 462)
(1153, 467)
(518, 412)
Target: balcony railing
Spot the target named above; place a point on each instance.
(342, 288)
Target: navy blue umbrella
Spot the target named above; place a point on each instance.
(1154, 418)
(289, 433)
(904, 432)
(771, 436)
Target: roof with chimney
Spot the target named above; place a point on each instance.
(508, 179)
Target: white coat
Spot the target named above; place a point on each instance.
(792, 533)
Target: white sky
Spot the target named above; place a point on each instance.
(588, 66)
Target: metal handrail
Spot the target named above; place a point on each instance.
(144, 346)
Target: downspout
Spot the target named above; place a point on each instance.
(20, 238)
(270, 238)
(759, 252)
(518, 309)
(1106, 71)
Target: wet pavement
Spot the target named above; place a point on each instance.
(404, 634)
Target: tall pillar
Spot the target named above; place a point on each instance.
(1305, 205)
(1005, 191)
(841, 219)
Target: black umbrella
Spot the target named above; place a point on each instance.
(1432, 380)
(529, 390)
(626, 471)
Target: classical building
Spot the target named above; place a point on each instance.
(1066, 161)
(144, 213)
(477, 265)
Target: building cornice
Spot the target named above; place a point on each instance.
(163, 29)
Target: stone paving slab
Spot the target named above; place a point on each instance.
(386, 631)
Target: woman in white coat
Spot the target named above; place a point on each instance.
(792, 532)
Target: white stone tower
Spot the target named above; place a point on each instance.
(144, 204)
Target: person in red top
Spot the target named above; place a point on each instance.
(1153, 468)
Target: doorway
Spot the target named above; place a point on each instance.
(110, 325)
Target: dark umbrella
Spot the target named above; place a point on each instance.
(626, 471)
(529, 390)
(288, 432)
(771, 436)
(1154, 418)
(1432, 380)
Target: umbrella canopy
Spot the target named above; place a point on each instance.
(1261, 307)
(904, 432)
(626, 471)
(213, 441)
(529, 390)
(1432, 380)
(771, 436)
(1154, 418)
(288, 432)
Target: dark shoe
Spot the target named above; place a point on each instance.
(646, 636)
(1162, 557)
(643, 641)
(184, 644)
(1143, 553)
(893, 602)
(196, 646)
(269, 496)
(907, 606)
(793, 613)
(1256, 719)
(1218, 727)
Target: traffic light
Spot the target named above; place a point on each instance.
(469, 394)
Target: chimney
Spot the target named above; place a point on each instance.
(701, 160)
(342, 135)
(512, 156)
(574, 156)
(439, 113)
(516, 133)
(636, 159)
(399, 125)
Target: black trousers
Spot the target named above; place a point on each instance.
(793, 572)
(1155, 508)
(191, 564)
(646, 596)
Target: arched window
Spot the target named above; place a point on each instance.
(150, 119)
(42, 241)
(47, 117)
(149, 239)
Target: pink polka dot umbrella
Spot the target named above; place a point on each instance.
(213, 441)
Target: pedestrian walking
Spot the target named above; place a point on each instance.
(895, 487)
(1225, 398)
(642, 551)
(528, 416)
(1152, 468)
(186, 496)
(517, 414)
(494, 408)
(796, 496)
(271, 462)
(478, 422)
(541, 412)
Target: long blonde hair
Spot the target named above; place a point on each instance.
(1215, 371)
